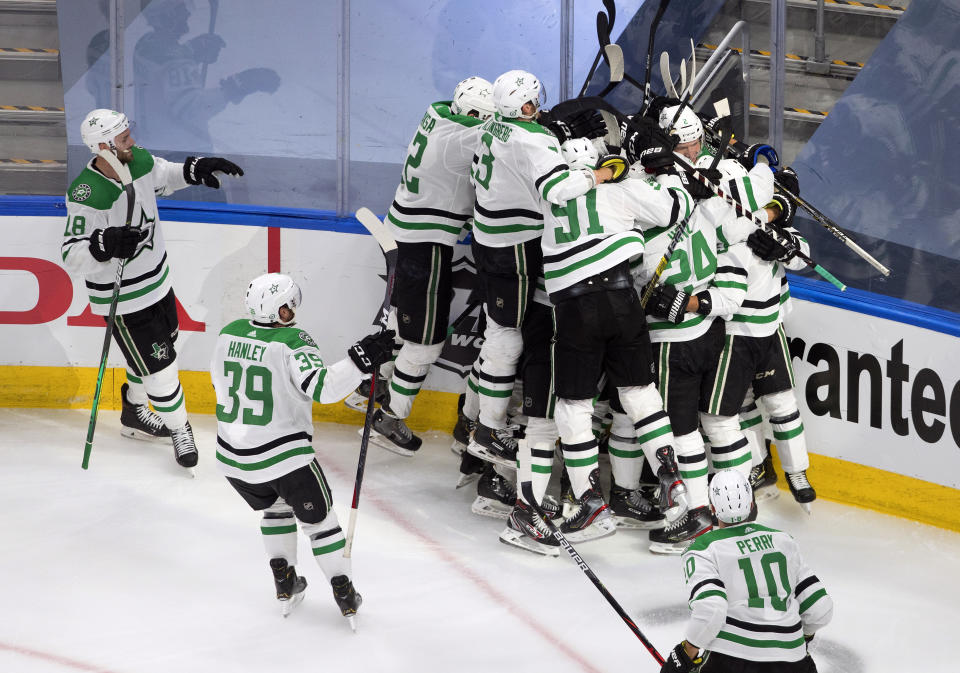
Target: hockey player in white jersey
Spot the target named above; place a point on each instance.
(267, 373)
(756, 354)
(755, 604)
(146, 327)
(430, 212)
(517, 164)
(687, 338)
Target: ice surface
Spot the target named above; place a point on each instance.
(133, 567)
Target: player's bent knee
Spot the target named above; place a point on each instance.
(504, 344)
(639, 401)
(574, 420)
(780, 404)
(420, 355)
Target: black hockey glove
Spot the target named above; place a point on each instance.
(206, 47)
(657, 105)
(657, 159)
(617, 164)
(787, 178)
(667, 302)
(768, 249)
(582, 124)
(200, 170)
(649, 136)
(372, 351)
(753, 153)
(697, 189)
(119, 242)
(787, 209)
(678, 661)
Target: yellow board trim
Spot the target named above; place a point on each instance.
(834, 479)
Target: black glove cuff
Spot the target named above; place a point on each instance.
(96, 246)
(189, 171)
(704, 303)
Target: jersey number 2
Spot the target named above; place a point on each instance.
(258, 389)
(413, 161)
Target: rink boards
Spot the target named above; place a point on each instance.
(880, 397)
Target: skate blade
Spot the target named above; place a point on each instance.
(594, 531)
(133, 433)
(480, 452)
(626, 523)
(515, 538)
(669, 548)
(466, 479)
(491, 508)
(287, 606)
(352, 621)
(806, 507)
(379, 440)
(766, 493)
(192, 471)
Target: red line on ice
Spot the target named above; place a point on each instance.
(69, 663)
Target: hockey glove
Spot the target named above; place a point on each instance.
(657, 159)
(200, 170)
(237, 87)
(787, 178)
(372, 351)
(678, 661)
(695, 187)
(119, 242)
(787, 209)
(752, 155)
(657, 105)
(582, 124)
(769, 249)
(667, 302)
(617, 164)
(649, 135)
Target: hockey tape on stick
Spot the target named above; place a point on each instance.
(527, 488)
(123, 173)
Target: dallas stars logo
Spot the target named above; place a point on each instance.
(147, 223)
(94, 121)
(274, 288)
(81, 193)
(519, 81)
(160, 352)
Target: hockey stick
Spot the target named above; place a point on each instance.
(381, 233)
(666, 76)
(604, 26)
(527, 488)
(123, 174)
(214, 6)
(646, 76)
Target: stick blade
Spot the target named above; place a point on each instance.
(614, 55)
(377, 229)
(722, 107)
(665, 75)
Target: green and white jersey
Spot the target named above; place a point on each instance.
(266, 380)
(751, 594)
(766, 302)
(434, 201)
(94, 202)
(596, 231)
(713, 227)
(516, 165)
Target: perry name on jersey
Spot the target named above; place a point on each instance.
(262, 377)
(751, 594)
(93, 202)
(434, 200)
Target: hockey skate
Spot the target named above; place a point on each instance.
(591, 518)
(184, 448)
(567, 500)
(632, 511)
(393, 434)
(494, 445)
(462, 430)
(673, 494)
(763, 481)
(801, 489)
(358, 398)
(678, 535)
(496, 495)
(525, 529)
(138, 421)
(471, 468)
(347, 598)
(290, 586)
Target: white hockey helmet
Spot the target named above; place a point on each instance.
(102, 126)
(474, 94)
(267, 293)
(580, 153)
(731, 496)
(688, 127)
(513, 89)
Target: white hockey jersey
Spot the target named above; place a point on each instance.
(751, 594)
(266, 379)
(518, 163)
(694, 265)
(93, 202)
(595, 231)
(434, 200)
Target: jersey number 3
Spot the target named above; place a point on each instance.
(258, 390)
